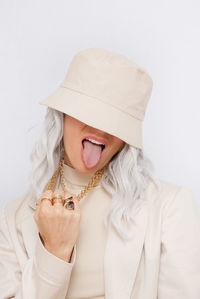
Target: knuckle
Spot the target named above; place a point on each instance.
(77, 215)
(69, 214)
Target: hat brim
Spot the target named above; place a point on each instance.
(96, 113)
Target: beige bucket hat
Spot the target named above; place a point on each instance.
(105, 90)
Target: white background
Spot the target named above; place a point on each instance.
(38, 40)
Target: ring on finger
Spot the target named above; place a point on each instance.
(41, 199)
(69, 203)
(57, 199)
(57, 195)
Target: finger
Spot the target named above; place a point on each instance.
(42, 202)
(43, 199)
(45, 202)
(58, 201)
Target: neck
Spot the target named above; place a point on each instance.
(67, 161)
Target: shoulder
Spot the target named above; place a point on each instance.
(177, 194)
(174, 210)
(175, 201)
(166, 194)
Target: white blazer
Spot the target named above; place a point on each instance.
(161, 261)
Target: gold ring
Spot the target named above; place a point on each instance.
(57, 195)
(56, 199)
(45, 197)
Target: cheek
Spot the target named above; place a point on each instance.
(72, 142)
(117, 147)
(111, 150)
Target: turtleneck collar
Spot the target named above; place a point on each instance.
(75, 177)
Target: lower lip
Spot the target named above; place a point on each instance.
(99, 158)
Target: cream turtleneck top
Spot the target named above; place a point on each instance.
(87, 276)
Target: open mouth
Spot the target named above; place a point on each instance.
(101, 145)
(92, 150)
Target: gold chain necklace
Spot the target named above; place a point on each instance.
(96, 177)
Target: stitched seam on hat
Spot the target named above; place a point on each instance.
(102, 101)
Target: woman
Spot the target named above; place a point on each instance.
(95, 222)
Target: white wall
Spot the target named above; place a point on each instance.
(38, 40)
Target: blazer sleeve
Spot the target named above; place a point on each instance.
(44, 275)
(179, 275)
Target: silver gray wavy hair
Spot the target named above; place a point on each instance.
(125, 179)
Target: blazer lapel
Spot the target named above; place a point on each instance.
(122, 258)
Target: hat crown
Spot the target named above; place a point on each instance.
(112, 78)
(107, 91)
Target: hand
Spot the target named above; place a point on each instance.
(58, 227)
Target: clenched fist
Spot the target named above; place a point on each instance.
(58, 226)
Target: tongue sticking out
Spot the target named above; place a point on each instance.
(91, 153)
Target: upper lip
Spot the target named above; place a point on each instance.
(96, 138)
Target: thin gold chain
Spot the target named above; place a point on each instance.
(97, 176)
(50, 183)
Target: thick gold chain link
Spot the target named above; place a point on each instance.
(97, 176)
